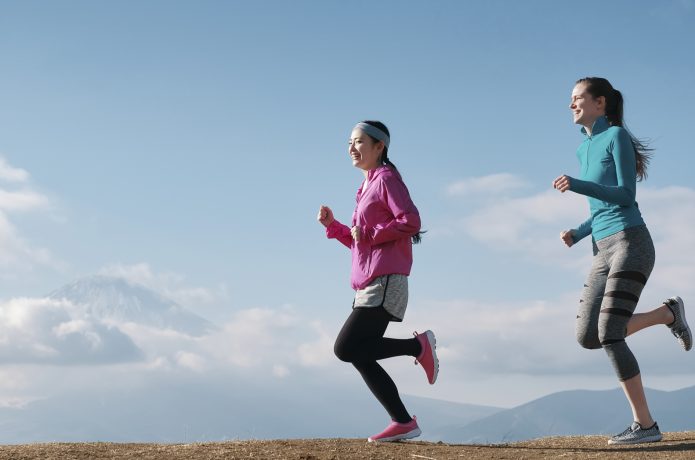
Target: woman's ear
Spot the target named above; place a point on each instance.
(601, 101)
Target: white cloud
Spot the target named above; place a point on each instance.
(254, 337)
(190, 361)
(527, 337)
(670, 216)
(52, 332)
(9, 173)
(494, 184)
(280, 371)
(319, 352)
(22, 200)
(17, 255)
(476, 340)
(170, 285)
(530, 225)
(111, 320)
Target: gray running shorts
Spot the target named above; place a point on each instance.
(387, 291)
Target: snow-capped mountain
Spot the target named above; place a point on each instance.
(116, 299)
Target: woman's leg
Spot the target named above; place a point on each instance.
(634, 391)
(639, 321)
(384, 390)
(590, 303)
(631, 258)
(362, 338)
(361, 343)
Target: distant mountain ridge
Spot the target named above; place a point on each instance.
(216, 407)
(577, 412)
(111, 298)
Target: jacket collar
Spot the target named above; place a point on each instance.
(372, 173)
(600, 125)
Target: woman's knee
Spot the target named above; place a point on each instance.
(342, 350)
(612, 329)
(588, 340)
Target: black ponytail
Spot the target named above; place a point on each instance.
(417, 238)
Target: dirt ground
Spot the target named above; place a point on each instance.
(674, 446)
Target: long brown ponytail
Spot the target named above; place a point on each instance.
(597, 87)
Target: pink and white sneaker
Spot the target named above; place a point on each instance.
(428, 356)
(397, 431)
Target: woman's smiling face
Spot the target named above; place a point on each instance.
(364, 152)
(585, 108)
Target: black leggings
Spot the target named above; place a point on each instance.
(361, 342)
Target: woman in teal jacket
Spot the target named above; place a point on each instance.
(612, 160)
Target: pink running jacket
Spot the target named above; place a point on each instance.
(387, 219)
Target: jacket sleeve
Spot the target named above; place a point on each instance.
(339, 231)
(406, 218)
(622, 194)
(582, 231)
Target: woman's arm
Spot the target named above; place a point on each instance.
(623, 193)
(582, 231)
(334, 229)
(406, 218)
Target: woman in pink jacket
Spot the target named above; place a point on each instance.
(384, 227)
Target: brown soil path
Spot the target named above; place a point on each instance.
(675, 446)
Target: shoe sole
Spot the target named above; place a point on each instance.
(652, 438)
(681, 310)
(399, 437)
(433, 348)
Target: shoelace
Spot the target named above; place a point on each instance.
(635, 427)
(677, 313)
(676, 319)
(627, 431)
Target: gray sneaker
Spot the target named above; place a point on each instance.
(635, 434)
(679, 327)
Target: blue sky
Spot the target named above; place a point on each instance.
(188, 146)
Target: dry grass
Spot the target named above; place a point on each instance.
(674, 446)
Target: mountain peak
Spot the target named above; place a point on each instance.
(117, 299)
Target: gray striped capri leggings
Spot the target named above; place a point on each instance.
(621, 266)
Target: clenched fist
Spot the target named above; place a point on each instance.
(325, 216)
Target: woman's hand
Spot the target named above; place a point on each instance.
(355, 232)
(567, 237)
(562, 183)
(325, 216)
